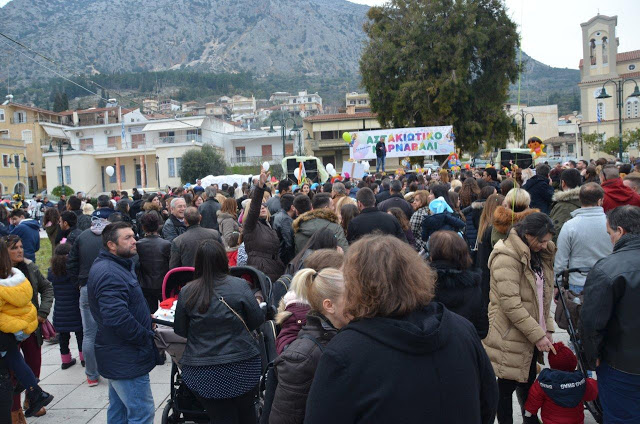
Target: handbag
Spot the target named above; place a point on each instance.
(224, 302)
(48, 331)
(574, 305)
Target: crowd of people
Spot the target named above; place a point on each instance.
(400, 296)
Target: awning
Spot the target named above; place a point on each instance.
(183, 124)
(55, 132)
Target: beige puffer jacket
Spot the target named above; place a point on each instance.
(513, 307)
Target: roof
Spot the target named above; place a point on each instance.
(33, 108)
(561, 139)
(342, 117)
(623, 57)
(94, 110)
(629, 75)
(183, 124)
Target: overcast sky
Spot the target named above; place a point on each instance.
(551, 28)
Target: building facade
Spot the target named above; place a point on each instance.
(303, 104)
(602, 62)
(545, 128)
(357, 102)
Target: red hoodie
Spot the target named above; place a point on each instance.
(617, 194)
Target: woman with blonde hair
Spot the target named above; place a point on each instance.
(295, 367)
(420, 205)
(399, 349)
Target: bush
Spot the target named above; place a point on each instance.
(57, 191)
(200, 163)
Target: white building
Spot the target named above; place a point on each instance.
(303, 104)
(545, 127)
(257, 146)
(168, 106)
(279, 97)
(357, 102)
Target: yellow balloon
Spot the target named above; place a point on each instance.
(346, 137)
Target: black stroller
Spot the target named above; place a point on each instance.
(566, 317)
(183, 405)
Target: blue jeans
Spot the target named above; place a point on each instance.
(16, 363)
(619, 393)
(130, 401)
(380, 162)
(575, 288)
(89, 329)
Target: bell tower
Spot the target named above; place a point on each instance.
(599, 48)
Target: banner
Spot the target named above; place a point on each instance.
(402, 142)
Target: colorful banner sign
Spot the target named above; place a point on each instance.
(402, 142)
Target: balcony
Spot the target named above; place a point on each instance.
(255, 160)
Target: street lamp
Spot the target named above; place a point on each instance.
(35, 179)
(283, 129)
(299, 132)
(619, 92)
(24, 160)
(523, 118)
(59, 145)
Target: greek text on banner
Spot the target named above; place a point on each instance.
(401, 142)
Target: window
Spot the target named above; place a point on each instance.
(67, 175)
(605, 50)
(86, 144)
(570, 148)
(172, 167)
(16, 161)
(5, 161)
(114, 142)
(19, 117)
(556, 151)
(178, 166)
(352, 102)
(241, 154)
(137, 140)
(1, 115)
(630, 67)
(328, 135)
(288, 149)
(194, 135)
(167, 137)
(27, 136)
(4, 133)
(123, 176)
(267, 152)
(592, 51)
(632, 108)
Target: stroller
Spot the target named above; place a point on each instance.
(566, 317)
(183, 405)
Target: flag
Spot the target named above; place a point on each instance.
(599, 113)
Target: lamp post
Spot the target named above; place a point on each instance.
(299, 132)
(523, 118)
(35, 179)
(158, 171)
(18, 161)
(619, 84)
(59, 145)
(283, 129)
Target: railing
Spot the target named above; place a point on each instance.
(254, 160)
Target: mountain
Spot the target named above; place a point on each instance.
(311, 37)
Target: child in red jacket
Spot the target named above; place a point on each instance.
(560, 391)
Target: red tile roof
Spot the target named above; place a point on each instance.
(629, 75)
(342, 116)
(623, 57)
(35, 109)
(99, 109)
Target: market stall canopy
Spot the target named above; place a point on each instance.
(55, 132)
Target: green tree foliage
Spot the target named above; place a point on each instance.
(200, 163)
(57, 191)
(442, 62)
(611, 145)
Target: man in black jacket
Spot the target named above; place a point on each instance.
(384, 191)
(209, 209)
(174, 226)
(75, 205)
(610, 324)
(540, 189)
(283, 224)
(185, 246)
(154, 253)
(396, 200)
(371, 219)
(381, 155)
(69, 230)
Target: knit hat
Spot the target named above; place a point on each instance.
(564, 359)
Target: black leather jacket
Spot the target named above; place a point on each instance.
(154, 253)
(218, 336)
(609, 315)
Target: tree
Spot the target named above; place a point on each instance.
(102, 102)
(58, 105)
(611, 145)
(200, 163)
(442, 62)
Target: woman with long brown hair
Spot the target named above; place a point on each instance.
(420, 205)
(404, 223)
(422, 353)
(348, 211)
(228, 220)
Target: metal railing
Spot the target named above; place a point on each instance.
(148, 143)
(254, 160)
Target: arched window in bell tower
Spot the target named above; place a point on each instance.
(592, 51)
(605, 50)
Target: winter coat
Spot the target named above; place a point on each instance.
(260, 240)
(29, 232)
(565, 202)
(17, 313)
(396, 201)
(617, 194)
(402, 370)
(381, 149)
(218, 336)
(472, 215)
(185, 246)
(308, 223)
(382, 196)
(209, 211)
(583, 241)
(610, 324)
(513, 308)
(372, 220)
(83, 252)
(149, 207)
(295, 369)
(154, 253)
(52, 233)
(103, 213)
(42, 291)
(541, 193)
(560, 395)
(291, 326)
(84, 221)
(504, 219)
(444, 221)
(227, 225)
(460, 291)
(66, 311)
(124, 344)
(283, 224)
(70, 235)
(274, 205)
(173, 228)
(416, 227)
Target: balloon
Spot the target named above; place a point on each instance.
(109, 170)
(332, 172)
(346, 137)
(329, 167)
(296, 172)
(265, 166)
(366, 165)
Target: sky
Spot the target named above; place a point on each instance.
(551, 30)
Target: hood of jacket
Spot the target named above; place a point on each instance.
(439, 205)
(572, 195)
(566, 389)
(618, 192)
(504, 218)
(588, 211)
(423, 331)
(516, 248)
(31, 223)
(223, 215)
(104, 213)
(478, 204)
(324, 213)
(98, 224)
(451, 277)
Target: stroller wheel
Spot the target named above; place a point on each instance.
(167, 417)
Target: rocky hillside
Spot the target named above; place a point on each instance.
(308, 37)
